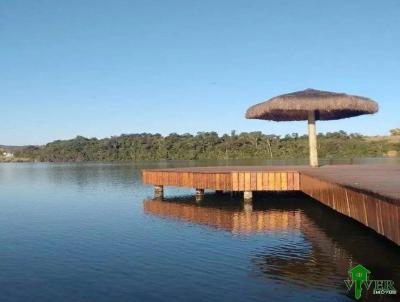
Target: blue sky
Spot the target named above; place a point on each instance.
(102, 68)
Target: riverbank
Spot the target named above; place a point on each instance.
(15, 160)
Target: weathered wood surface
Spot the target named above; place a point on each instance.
(369, 194)
(228, 181)
(382, 181)
(378, 214)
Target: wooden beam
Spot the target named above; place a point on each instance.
(158, 191)
(248, 195)
(199, 194)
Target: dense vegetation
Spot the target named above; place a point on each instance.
(395, 131)
(205, 145)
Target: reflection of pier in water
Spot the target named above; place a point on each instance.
(326, 247)
(293, 260)
(317, 261)
(236, 221)
(331, 247)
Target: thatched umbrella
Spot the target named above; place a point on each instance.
(312, 105)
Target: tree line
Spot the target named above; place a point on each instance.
(205, 145)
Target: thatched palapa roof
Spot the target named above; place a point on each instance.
(327, 106)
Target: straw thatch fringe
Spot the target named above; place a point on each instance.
(327, 105)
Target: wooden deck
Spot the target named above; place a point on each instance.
(369, 194)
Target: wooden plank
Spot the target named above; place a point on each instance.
(210, 181)
(175, 178)
(191, 181)
(241, 181)
(217, 179)
(277, 181)
(196, 180)
(271, 181)
(284, 181)
(247, 181)
(181, 179)
(296, 181)
(265, 181)
(213, 183)
(253, 181)
(187, 180)
(259, 181)
(204, 180)
(235, 181)
(228, 182)
(340, 192)
(163, 180)
(290, 185)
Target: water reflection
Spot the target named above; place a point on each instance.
(314, 246)
(77, 232)
(232, 219)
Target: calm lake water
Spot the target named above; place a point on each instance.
(91, 232)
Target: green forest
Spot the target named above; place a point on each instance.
(206, 145)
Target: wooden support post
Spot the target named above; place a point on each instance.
(199, 194)
(158, 191)
(312, 139)
(248, 196)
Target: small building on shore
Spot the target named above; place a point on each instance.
(8, 154)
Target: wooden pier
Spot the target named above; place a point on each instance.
(370, 194)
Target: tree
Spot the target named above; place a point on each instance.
(395, 131)
(204, 145)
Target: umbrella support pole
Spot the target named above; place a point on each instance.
(312, 138)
